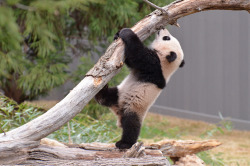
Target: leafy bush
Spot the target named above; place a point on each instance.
(84, 128)
(35, 35)
(13, 115)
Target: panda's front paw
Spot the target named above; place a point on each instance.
(117, 35)
(123, 145)
(171, 57)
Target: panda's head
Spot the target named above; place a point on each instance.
(168, 50)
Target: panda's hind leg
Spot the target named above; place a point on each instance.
(131, 126)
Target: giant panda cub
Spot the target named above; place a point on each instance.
(150, 70)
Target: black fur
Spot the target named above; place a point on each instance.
(116, 35)
(182, 63)
(107, 96)
(144, 62)
(131, 126)
(171, 57)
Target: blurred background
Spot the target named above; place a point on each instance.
(215, 81)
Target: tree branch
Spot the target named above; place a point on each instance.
(109, 65)
(155, 6)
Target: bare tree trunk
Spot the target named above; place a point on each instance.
(107, 67)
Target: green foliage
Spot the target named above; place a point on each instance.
(10, 49)
(9, 31)
(210, 159)
(13, 115)
(44, 75)
(95, 110)
(149, 132)
(34, 36)
(111, 16)
(84, 128)
(220, 127)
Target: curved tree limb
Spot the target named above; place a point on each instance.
(155, 6)
(109, 65)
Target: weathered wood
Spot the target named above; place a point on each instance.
(190, 160)
(57, 155)
(170, 148)
(181, 148)
(145, 161)
(51, 151)
(16, 151)
(181, 151)
(136, 151)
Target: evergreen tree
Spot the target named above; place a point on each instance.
(34, 33)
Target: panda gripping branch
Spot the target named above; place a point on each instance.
(150, 70)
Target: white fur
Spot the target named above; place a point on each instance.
(164, 47)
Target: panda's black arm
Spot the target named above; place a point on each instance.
(137, 56)
(133, 45)
(145, 61)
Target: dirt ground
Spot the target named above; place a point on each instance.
(235, 148)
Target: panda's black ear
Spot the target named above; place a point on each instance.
(117, 35)
(182, 63)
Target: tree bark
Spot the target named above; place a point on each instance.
(51, 152)
(107, 67)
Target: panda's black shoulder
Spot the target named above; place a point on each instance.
(144, 62)
(150, 70)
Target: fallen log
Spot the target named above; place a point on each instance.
(51, 152)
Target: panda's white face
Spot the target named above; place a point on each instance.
(164, 44)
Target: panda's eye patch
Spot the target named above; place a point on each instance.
(166, 38)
